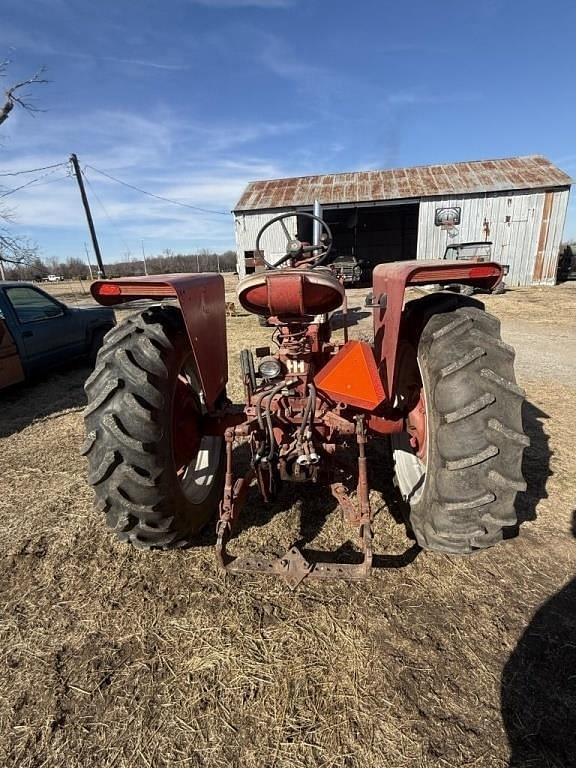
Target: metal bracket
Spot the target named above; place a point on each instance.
(292, 567)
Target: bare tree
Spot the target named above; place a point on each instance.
(16, 95)
(14, 249)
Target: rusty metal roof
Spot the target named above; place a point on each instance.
(507, 174)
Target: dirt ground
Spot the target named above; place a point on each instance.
(114, 657)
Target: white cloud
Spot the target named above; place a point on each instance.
(200, 164)
(419, 97)
(203, 163)
(143, 63)
(336, 93)
(15, 39)
(244, 3)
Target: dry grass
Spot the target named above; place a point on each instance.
(113, 657)
(69, 291)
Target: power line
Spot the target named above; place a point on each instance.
(51, 181)
(33, 170)
(37, 182)
(158, 197)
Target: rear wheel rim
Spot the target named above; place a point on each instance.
(410, 467)
(199, 476)
(196, 457)
(410, 470)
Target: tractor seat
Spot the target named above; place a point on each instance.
(291, 292)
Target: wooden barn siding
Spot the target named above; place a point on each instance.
(554, 239)
(273, 243)
(514, 243)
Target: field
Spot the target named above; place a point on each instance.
(113, 657)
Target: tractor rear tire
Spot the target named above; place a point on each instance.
(462, 493)
(133, 429)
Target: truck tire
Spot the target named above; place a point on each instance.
(462, 492)
(156, 477)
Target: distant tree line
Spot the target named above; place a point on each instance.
(36, 268)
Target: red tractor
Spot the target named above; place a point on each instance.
(437, 381)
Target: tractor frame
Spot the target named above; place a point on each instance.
(330, 397)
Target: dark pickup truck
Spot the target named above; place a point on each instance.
(38, 332)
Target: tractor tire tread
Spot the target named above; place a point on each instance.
(510, 434)
(126, 438)
(511, 386)
(476, 405)
(476, 439)
(486, 339)
(470, 461)
(465, 360)
(458, 324)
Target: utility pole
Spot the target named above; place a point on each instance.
(88, 259)
(2, 273)
(144, 260)
(80, 180)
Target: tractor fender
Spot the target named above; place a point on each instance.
(389, 283)
(201, 300)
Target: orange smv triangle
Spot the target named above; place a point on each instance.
(351, 377)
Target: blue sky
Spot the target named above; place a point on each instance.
(190, 99)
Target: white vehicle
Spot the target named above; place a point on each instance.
(52, 279)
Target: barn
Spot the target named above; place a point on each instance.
(518, 204)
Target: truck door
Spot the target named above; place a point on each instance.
(10, 365)
(49, 334)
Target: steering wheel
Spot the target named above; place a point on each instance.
(295, 248)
